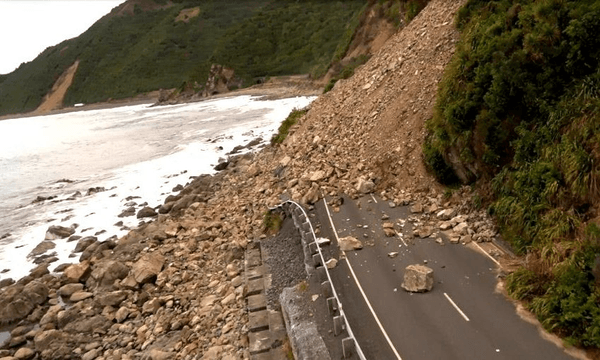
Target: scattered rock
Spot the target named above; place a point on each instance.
(130, 211)
(42, 248)
(147, 268)
(80, 295)
(24, 353)
(365, 186)
(331, 263)
(83, 243)
(78, 272)
(69, 289)
(146, 212)
(350, 243)
(417, 208)
(59, 232)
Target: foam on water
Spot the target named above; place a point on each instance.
(134, 151)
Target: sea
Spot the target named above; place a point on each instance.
(82, 169)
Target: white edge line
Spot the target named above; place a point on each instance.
(373, 197)
(387, 338)
(488, 255)
(456, 307)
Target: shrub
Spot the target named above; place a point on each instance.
(285, 126)
(520, 103)
(272, 221)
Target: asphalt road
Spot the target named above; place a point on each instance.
(463, 317)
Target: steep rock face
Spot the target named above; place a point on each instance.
(221, 80)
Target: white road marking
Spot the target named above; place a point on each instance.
(401, 238)
(373, 197)
(456, 307)
(387, 338)
(488, 255)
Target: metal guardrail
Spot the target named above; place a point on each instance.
(314, 261)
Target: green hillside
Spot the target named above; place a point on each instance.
(518, 112)
(131, 52)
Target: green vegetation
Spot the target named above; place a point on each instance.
(347, 37)
(285, 126)
(125, 54)
(400, 12)
(519, 109)
(272, 221)
(290, 37)
(347, 71)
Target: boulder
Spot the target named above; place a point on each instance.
(331, 263)
(147, 268)
(24, 353)
(417, 208)
(43, 340)
(221, 166)
(17, 301)
(84, 243)
(96, 324)
(39, 271)
(446, 214)
(105, 274)
(365, 186)
(146, 212)
(6, 282)
(78, 272)
(59, 232)
(42, 248)
(418, 278)
(80, 296)
(69, 289)
(130, 211)
(113, 298)
(349, 243)
(460, 229)
(317, 175)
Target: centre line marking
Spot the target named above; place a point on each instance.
(456, 307)
(385, 335)
(401, 238)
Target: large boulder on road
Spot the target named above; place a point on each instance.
(418, 278)
(349, 243)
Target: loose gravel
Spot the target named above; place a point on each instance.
(284, 257)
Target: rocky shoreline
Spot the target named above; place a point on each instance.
(169, 289)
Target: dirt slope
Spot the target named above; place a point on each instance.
(371, 125)
(54, 99)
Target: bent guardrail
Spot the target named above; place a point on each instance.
(314, 261)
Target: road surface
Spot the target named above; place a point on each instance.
(463, 317)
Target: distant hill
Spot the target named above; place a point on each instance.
(146, 45)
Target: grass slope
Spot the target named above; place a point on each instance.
(125, 54)
(519, 109)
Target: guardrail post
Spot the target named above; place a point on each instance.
(317, 260)
(326, 287)
(348, 347)
(332, 305)
(338, 325)
(312, 247)
(321, 273)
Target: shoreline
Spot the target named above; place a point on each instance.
(273, 90)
